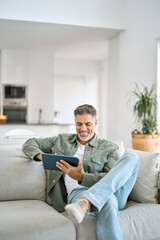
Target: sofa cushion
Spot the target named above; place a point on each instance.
(33, 220)
(146, 187)
(85, 230)
(138, 221)
(20, 177)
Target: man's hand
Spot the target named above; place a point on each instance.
(38, 156)
(73, 172)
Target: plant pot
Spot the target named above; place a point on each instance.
(145, 142)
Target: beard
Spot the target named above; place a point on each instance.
(84, 135)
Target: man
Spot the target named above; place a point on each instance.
(101, 182)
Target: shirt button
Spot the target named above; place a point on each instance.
(84, 159)
(54, 181)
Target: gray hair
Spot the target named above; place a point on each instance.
(86, 109)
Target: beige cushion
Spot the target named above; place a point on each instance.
(138, 222)
(20, 177)
(146, 186)
(33, 220)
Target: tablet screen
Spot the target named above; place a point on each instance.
(49, 161)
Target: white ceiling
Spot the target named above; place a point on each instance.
(65, 41)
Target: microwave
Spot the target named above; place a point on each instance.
(14, 95)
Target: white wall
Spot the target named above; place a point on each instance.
(1, 109)
(132, 59)
(113, 95)
(87, 70)
(103, 100)
(97, 13)
(158, 83)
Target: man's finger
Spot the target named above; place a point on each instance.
(61, 166)
(65, 163)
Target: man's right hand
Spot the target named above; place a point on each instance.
(38, 156)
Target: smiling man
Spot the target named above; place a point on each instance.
(101, 182)
(85, 127)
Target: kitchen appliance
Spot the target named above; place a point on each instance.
(15, 103)
(14, 95)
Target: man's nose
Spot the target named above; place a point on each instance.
(83, 127)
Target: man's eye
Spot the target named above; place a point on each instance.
(79, 124)
(88, 124)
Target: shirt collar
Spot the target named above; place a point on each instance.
(94, 141)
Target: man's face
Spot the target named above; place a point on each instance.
(85, 126)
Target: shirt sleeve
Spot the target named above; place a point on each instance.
(34, 146)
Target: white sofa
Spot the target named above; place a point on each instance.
(26, 213)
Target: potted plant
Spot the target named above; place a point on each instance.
(145, 110)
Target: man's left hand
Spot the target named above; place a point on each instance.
(73, 172)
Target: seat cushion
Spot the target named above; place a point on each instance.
(138, 221)
(33, 220)
(21, 178)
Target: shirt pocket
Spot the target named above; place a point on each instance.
(98, 161)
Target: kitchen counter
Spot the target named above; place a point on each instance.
(41, 130)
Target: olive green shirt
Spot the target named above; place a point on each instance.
(99, 157)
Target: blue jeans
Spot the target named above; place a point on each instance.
(109, 196)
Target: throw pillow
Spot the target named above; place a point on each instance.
(145, 189)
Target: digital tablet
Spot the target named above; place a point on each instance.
(49, 161)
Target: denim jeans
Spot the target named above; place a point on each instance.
(109, 196)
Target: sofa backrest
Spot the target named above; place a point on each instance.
(20, 177)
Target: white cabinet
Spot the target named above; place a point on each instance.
(14, 67)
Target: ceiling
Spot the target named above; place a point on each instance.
(65, 41)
